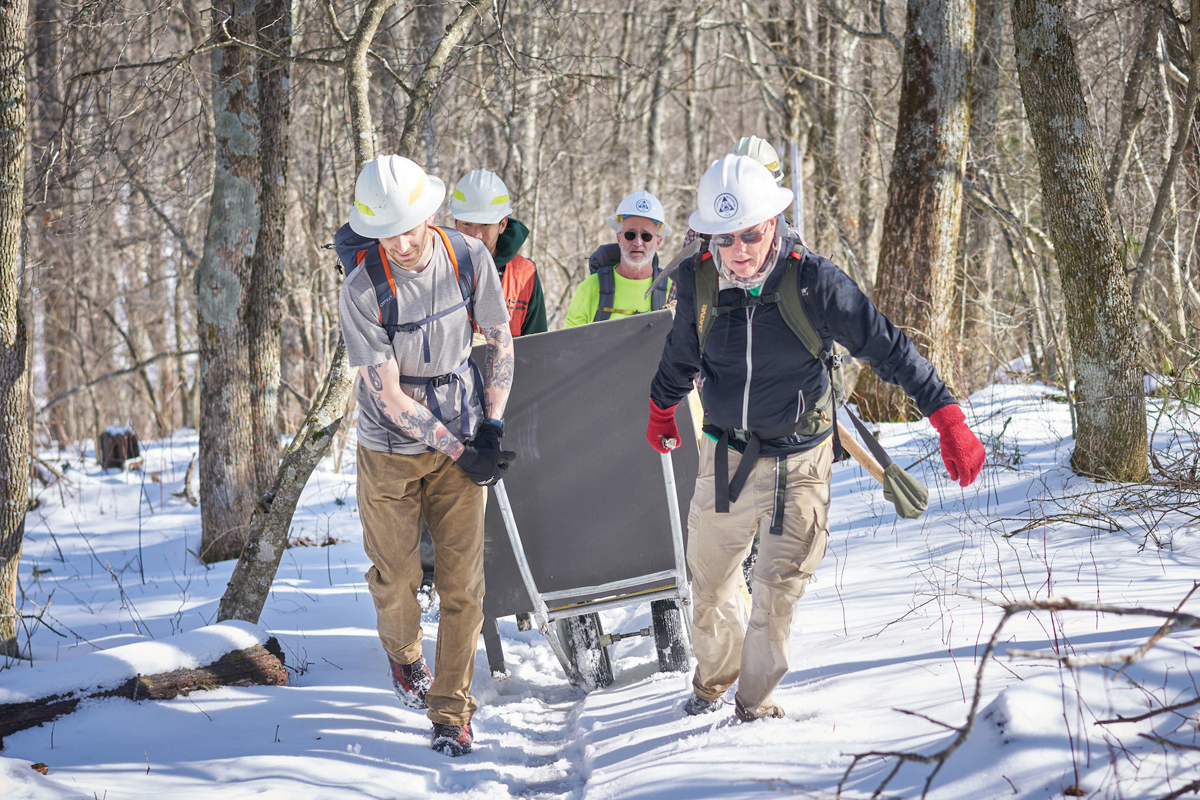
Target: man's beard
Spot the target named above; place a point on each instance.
(638, 262)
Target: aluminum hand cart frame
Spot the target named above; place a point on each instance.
(579, 525)
(614, 594)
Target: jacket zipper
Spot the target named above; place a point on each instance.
(749, 368)
(799, 405)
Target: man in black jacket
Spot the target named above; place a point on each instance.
(767, 401)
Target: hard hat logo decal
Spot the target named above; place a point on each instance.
(643, 205)
(726, 205)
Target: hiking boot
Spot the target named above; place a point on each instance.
(452, 740)
(697, 705)
(411, 682)
(768, 710)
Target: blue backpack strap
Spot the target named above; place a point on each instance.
(608, 293)
(374, 260)
(658, 298)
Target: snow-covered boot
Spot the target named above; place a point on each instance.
(453, 740)
(411, 682)
(768, 710)
(697, 705)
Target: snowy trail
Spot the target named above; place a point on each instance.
(895, 621)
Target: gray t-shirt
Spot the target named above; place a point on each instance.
(419, 295)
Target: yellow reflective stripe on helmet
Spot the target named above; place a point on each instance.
(500, 200)
(457, 195)
(363, 209)
(418, 191)
(774, 165)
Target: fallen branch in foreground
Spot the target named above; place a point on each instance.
(1174, 621)
(261, 665)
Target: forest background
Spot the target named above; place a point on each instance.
(1010, 182)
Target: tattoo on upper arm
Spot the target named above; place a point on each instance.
(376, 381)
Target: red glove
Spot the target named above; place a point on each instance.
(962, 452)
(661, 431)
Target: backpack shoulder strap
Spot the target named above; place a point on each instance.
(658, 297)
(464, 267)
(385, 288)
(707, 293)
(793, 311)
(608, 293)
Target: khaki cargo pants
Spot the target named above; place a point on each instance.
(394, 490)
(718, 543)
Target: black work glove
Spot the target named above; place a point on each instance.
(482, 459)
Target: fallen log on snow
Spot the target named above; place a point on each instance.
(42, 694)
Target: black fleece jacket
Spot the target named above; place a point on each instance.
(757, 375)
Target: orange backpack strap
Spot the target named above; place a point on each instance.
(464, 267)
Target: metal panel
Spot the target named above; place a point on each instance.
(586, 489)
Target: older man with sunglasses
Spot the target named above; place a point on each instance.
(768, 402)
(622, 274)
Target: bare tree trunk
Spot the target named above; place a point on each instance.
(1132, 113)
(1165, 195)
(658, 96)
(1110, 436)
(868, 152)
(914, 285)
(222, 283)
(187, 393)
(14, 342)
(979, 233)
(255, 571)
(46, 124)
(265, 310)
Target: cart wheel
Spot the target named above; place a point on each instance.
(668, 637)
(581, 639)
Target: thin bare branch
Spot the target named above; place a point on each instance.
(883, 32)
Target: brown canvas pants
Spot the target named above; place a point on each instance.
(718, 543)
(394, 490)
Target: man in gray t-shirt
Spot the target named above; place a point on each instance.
(429, 425)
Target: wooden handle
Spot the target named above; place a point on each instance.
(859, 453)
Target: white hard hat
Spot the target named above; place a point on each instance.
(480, 197)
(641, 204)
(737, 193)
(392, 196)
(760, 151)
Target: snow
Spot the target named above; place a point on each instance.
(896, 621)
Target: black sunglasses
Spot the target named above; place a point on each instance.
(631, 235)
(727, 239)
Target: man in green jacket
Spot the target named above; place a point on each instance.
(481, 208)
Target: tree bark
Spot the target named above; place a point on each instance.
(914, 284)
(1166, 195)
(979, 233)
(265, 309)
(46, 29)
(1132, 113)
(1110, 436)
(14, 342)
(222, 283)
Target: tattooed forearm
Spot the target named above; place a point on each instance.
(498, 370)
(420, 423)
(405, 413)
